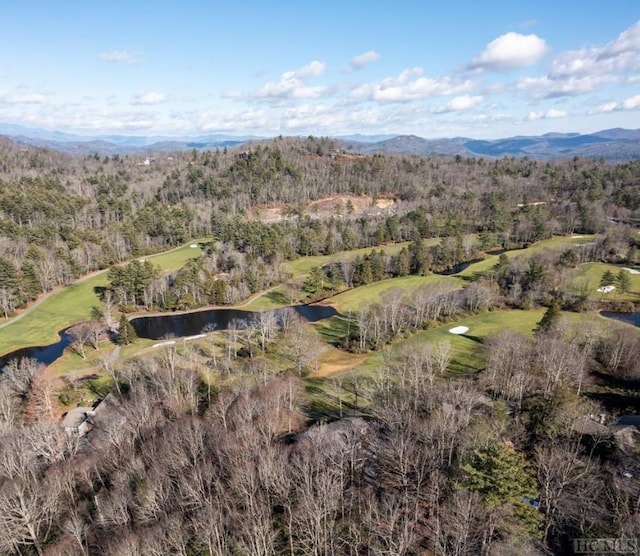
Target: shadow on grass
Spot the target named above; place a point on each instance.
(277, 297)
(335, 329)
(98, 385)
(458, 368)
(476, 339)
(325, 402)
(470, 278)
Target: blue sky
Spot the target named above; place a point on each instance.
(430, 68)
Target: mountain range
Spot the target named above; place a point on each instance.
(611, 144)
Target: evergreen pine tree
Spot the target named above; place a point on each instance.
(607, 279)
(126, 333)
(623, 280)
(549, 319)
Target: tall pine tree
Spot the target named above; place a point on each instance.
(126, 333)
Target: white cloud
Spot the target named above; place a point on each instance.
(118, 56)
(548, 115)
(408, 86)
(458, 104)
(510, 51)
(631, 103)
(149, 98)
(292, 85)
(577, 72)
(606, 107)
(546, 87)
(314, 69)
(627, 41)
(553, 113)
(362, 60)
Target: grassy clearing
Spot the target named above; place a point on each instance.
(555, 243)
(72, 362)
(73, 304)
(304, 265)
(333, 329)
(335, 361)
(273, 298)
(586, 278)
(353, 300)
(466, 356)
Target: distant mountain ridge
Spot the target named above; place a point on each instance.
(611, 144)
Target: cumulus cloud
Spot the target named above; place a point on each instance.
(631, 103)
(510, 51)
(546, 87)
(121, 56)
(408, 86)
(314, 69)
(457, 104)
(581, 71)
(291, 85)
(548, 115)
(149, 98)
(361, 60)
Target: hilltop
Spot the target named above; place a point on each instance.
(610, 144)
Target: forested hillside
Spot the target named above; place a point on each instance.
(465, 397)
(62, 217)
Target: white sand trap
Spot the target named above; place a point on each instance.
(576, 237)
(632, 270)
(193, 245)
(459, 330)
(606, 289)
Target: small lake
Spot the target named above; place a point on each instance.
(192, 323)
(629, 318)
(170, 326)
(43, 354)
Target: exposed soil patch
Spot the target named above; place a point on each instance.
(336, 361)
(341, 206)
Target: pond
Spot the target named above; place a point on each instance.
(629, 318)
(194, 322)
(170, 326)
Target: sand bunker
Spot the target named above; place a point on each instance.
(606, 289)
(459, 330)
(632, 270)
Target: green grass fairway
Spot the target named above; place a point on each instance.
(555, 243)
(73, 304)
(273, 298)
(587, 278)
(466, 356)
(304, 265)
(353, 300)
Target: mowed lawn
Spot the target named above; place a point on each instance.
(354, 299)
(466, 348)
(554, 243)
(587, 276)
(73, 304)
(303, 265)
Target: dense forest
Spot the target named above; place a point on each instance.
(227, 447)
(63, 217)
